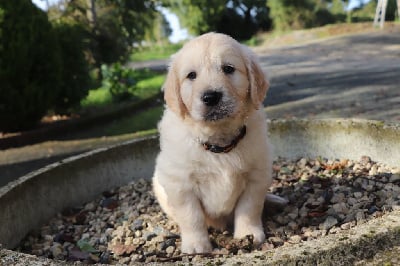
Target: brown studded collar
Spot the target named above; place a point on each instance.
(225, 149)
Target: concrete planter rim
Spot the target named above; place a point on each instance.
(135, 158)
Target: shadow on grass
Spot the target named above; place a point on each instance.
(142, 120)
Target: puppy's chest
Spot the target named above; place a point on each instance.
(218, 191)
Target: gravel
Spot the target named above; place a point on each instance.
(126, 225)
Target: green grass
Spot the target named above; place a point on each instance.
(143, 121)
(150, 86)
(253, 41)
(97, 97)
(149, 83)
(154, 52)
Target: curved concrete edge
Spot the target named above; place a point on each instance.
(337, 138)
(81, 178)
(69, 183)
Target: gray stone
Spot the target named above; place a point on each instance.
(328, 223)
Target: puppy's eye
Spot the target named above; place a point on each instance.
(192, 75)
(228, 69)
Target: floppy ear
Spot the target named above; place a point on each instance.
(172, 94)
(258, 82)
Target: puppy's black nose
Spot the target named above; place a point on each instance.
(211, 98)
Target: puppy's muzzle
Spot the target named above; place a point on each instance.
(217, 105)
(211, 98)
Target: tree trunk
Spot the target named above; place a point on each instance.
(398, 9)
(91, 14)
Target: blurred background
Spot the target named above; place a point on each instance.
(62, 58)
(81, 74)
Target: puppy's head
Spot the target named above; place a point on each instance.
(214, 78)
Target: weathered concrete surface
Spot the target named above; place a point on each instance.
(17, 162)
(337, 138)
(33, 199)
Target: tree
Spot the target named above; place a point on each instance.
(290, 14)
(366, 11)
(296, 14)
(238, 18)
(248, 16)
(160, 31)
(392, 9)
(198, 16)
(30, 65)
(75, 68)
(112, 26)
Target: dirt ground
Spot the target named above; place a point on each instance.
(355, 76)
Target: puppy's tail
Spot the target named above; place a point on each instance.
(275, 200)
(274, 204)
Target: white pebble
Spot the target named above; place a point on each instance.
(295, 239)
(170, 249)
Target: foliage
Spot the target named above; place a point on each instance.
(366, 12)
(75, 68)
(296, 14)
(146, 120)
(238, 18)
(148, 84)
(242, 19)
(247, 16)
(391, 11)
(119, 81)
(30, 65)
(287, 14)
(199, 16)
(112, 26)
(154, 52)
(160, 31)
(97, 98)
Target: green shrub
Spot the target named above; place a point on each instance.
(119, 80)
(30, 65)
(366, 12)
(290, 14)
(296, 14)
(75, 69)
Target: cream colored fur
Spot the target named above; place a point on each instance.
(199, 188)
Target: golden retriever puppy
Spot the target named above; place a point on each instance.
(215, 160)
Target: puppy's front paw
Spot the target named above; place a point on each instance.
(192, 245)
(256, 231)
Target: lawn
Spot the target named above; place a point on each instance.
(148, 84)
(154, 52)
(145, 120)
